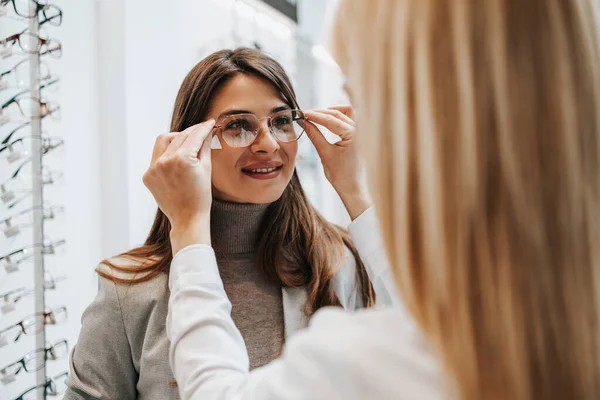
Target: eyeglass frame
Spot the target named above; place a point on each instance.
(47, 249)
(38, 7)
(45, 386)
(42, 42)
(27, 357)
(45, 315)
(218, 128)
(44, 109)
(19, 293)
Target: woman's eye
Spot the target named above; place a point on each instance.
(238, 124)
(279, 121)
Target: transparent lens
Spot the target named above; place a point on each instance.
(54, 48)
(29, 107)
(29, 42)
(58, 350)
(57, 316)
(25, 8)
(12, 333)
(31, 394)
(31, 360)
(53, 15)
(11, 370)
(29, 325)
(239, 130)
(287, 125)
(58, 384)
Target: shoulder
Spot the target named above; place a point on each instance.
(139, 296)
(367, 351)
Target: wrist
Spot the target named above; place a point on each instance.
(356, 202)
(190, 232)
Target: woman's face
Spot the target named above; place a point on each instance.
(238, 174)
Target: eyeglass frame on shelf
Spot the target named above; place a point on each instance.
(4, 3)
(24, 328)
(45, 386)
(12, 297)
(22, 364)
(47, 249)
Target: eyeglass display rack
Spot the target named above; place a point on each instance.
(38, 250)
(38, 216)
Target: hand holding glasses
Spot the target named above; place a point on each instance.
(241, 129)
(29, 362)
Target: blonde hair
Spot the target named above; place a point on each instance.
(479, 121)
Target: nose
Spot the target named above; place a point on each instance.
(265, 142)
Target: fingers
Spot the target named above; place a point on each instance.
(316, 137)
(161, 144)
(197, 136)
(348, 111)
(176, 142)
(333, 120)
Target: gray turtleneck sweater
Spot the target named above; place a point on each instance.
(257, 308)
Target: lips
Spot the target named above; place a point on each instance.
(263, 167)
(263, 170)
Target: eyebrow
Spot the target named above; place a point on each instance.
(236, 112)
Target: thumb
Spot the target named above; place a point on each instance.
(316, 137)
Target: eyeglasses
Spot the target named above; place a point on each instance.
(10, 299)
(24, 219)
(18, 76)
(13, 192)
(52, 387)
(25, 8)
(12, 260)
(29, 362)
(28, 325)
(240, 130)
(33, 108)
(31, 44)
(16, 150)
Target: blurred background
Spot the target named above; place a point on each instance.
(109, 74)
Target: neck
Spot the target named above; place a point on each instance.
(235, 227)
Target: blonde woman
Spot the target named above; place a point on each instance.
(480, 126)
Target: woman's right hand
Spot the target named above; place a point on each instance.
(179, 178)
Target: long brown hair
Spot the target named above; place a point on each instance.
(483, 152)
(298, 247)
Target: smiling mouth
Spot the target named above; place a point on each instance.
(262, 170)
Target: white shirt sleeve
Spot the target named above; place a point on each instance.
(366, 236)
(208, 355)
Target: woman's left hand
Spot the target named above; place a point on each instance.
(341, 161)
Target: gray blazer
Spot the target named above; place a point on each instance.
(122, 352)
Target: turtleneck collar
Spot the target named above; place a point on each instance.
(235, 227)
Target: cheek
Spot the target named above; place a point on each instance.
(290, 150)
(224, 164)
